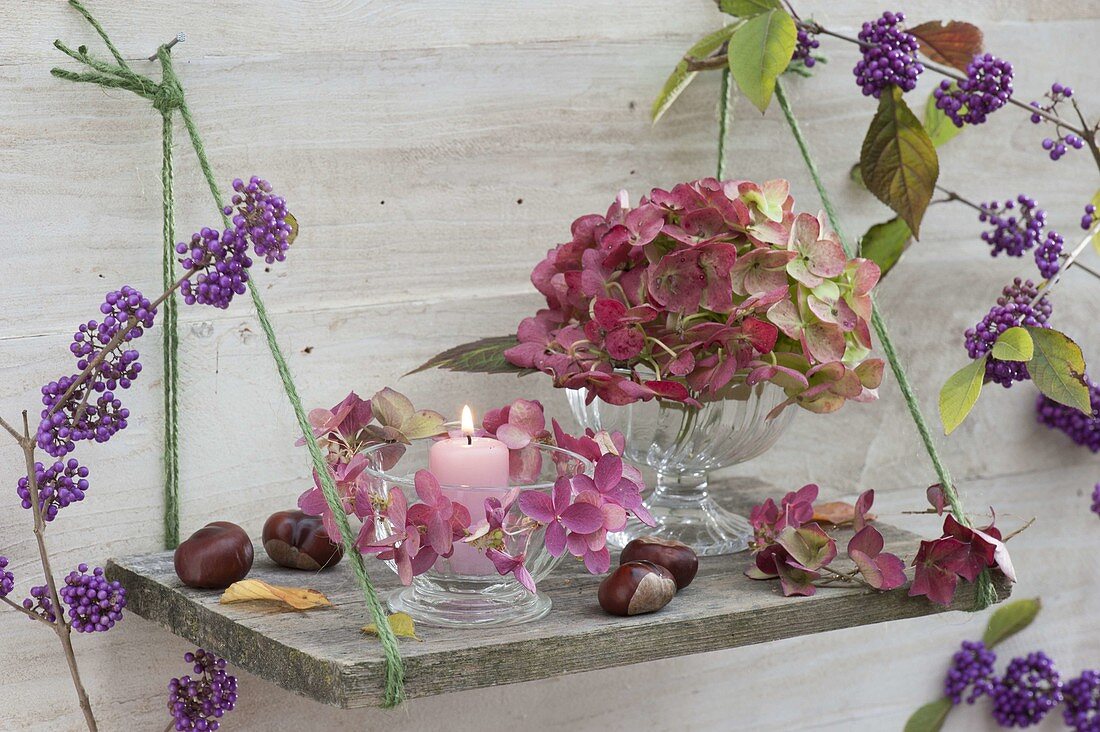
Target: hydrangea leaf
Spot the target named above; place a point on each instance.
(1014, 345)
(938, 125)
(930, 717)
(400, 623)
(759, 52)
(1058, 368)
(809, 545)
(898, 161)
(954, 43)
(681, 76)
(747, 8)
(960, 393)
(485, 356)
(884, 243)
(1010, 619)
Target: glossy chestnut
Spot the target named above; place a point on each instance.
(214, 557)
(297, 540)
(677, 557)
(635, 588)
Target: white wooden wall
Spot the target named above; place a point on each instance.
(432, 152)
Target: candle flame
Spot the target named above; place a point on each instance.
(467, 421)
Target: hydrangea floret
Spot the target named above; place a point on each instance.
(699, 287)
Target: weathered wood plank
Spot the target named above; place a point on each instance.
(323, 655)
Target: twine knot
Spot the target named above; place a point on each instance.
(169, 96)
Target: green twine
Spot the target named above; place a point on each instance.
(724, 114)
(986, 594)
(170, 341)
(166, 97)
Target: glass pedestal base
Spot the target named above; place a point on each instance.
(685, 512)
(468, 603)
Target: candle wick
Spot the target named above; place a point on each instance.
(469, 439)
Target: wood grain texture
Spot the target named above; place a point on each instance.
(323, 655)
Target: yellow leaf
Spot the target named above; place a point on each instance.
(401, 625)
(250, 590)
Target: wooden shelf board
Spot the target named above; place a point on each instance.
(322, 654)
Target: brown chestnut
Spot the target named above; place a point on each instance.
(297, 540)
(635, 588)
(677, 557)
(216, 556)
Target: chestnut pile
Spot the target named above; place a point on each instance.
(220, 553)
(651, 571)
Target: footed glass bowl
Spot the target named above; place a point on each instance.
(683, 444)
(466, 589)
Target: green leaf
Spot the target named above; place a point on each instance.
(885, 243)
(856, 176)
(293, 221)
(898, 161)
(681, 76)
(938, 125)
(401, 624)
(1058, 368)
(1014, 345)
(960, 393)
(747, 8)
(1010, 619)
(759, 52)
(1096, 220)
(485, 356)
(930, 717)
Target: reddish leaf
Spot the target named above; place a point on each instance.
(863, 505)
(937, 498)
(953, 43)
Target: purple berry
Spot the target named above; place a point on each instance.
(1048, 255)
(198, 702)
(1017, 225)
(806, 44)
(986, 88)
(59, 485)
(7, 579)
(1084, 429)
(971, 667)
(1082, 702)
(1013, 308)
(39, 603)
(889, 56)
(95, 604)
(1096, 499)
(1029, 689)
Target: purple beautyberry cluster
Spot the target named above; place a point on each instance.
(804, 48)
(1088, 217)
(1015, 230)
(119, 366)
(986, 88)
(1084, 429)
(39, 603)
(889, 56)
(1029, 689)
(1058, 147)
(1082, 702)
(95, 604)
(1096, 499)
(1013, 308)
(66, 421)
(262, 217)
(971, 668)
(7, 579)
(1048, 255)
(198, 702)
(58, 485)
(223, 260)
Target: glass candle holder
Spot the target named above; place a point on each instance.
(466, 589)
(683, 444)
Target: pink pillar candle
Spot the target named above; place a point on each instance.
(470, 469)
